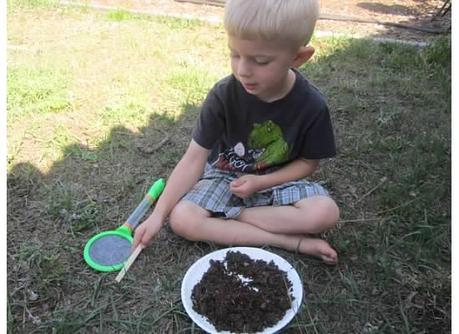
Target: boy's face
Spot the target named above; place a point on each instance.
(262, 67)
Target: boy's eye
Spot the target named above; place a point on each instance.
(261, 61)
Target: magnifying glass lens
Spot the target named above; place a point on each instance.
(110, 250)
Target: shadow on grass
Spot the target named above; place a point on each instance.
(391, 179)
(52, 215)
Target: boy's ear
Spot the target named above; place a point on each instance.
(303, 55)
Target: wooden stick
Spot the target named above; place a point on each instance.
(129, 261)
(383, 180)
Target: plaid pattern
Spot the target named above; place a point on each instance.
(212, 193)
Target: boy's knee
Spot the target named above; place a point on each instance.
(178, 219)
(328, 211)
(322, 212)
(184, 218)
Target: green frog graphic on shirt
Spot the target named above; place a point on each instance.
(268, 137)
(265, 147)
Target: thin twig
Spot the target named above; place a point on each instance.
(397, 207)
(312, 321)
(383, 180)
(150, 150)
(154, 148)
(358, 220)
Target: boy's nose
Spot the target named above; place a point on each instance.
(243, 69)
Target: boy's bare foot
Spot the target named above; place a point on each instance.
(319, 248)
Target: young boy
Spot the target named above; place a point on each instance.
(261, 131)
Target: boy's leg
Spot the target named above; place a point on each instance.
(310, 215)
(194, 223)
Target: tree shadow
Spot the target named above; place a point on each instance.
(51, 215)
(384, 20)
(392, 9)
(421, 22)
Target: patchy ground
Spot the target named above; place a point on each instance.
(339, 16)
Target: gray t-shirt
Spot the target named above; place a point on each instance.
(249, 135)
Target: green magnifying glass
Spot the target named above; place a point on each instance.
(107, 251)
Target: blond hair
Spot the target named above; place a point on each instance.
(289, 20)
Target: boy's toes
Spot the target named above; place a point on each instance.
(327, 253)
(331, 258)
(319, 248)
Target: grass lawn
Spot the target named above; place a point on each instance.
(100, 104)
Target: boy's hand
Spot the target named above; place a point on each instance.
(145, 233)
(245, 186)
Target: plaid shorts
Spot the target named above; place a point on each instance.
(212, 192)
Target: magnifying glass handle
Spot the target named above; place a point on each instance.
(150, 198)
(138, 213)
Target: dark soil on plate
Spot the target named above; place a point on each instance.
(240, 294)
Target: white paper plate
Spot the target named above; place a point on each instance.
(197, 270)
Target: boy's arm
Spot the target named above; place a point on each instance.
(184, 176)
(248, 184)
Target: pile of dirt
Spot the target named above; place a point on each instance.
(240, 294)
